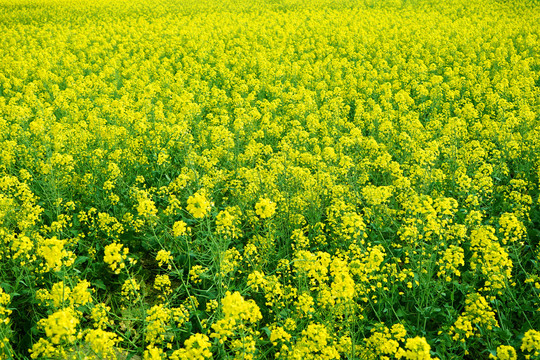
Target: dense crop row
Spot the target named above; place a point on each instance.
(274, 179)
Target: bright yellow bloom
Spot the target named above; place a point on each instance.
(265, 208)
(162, 283)
(5, 299)
(153, 353)
(477, 314)
(130, 289)
(164, 257)
(55, 255)
(60, 328)
(196, 347)
(115, 254)
(416, 349)
(198, 204)
(102, 342)
(531, 344)
(504, 352)
(99, 315)
(180, 228)
(228, 223)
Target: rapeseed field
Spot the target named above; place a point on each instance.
(271, 179)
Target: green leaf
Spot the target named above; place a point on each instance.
(99, 284)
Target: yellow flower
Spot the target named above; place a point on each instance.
(162, 283)
(102, 342)
(304, 305)
(416, 349)
(531, 343)
(277, 333)
(5, 299)
(376, 195)
(195, 273)
(60, 326)
(227, 222)
(198, 204)
(115, 256)
(453, 258)
(179, 228)
(236, 312)
(504, 352)
(54, 252)
(146, 208)
(158, 320)
(314, 344)
(99, 315)
(477, 314)
(491, 258)
(153, 353)
(164, 257)
(81, 294)
(265, 208)
(130, 290)
(196, 347)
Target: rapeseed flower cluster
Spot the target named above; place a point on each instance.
(504, 352)
(531, 344)
(477, 316)
(198, 205)
(197, 347)
(115, 256)
(265, 208)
